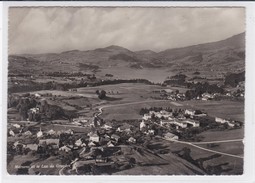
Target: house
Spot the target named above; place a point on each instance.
(165, 114)
(69, 131)
(170, 136)
(65, 148)
(192, 122)
(231, 123)
(151, 132)
(107, 137)
(34, 110)
(132, 140)
(94, 137)
(146, 116)
(207, 96)
(51, 132)
(39, 134)
(18, 143)
(91, 144)
(28, 133)
(115, 137)
(125, 127)
(176, 122)
(110, 144)
(37, 95)
(32, 147)
(189, 112)
(16, 125)
(79, 143)
(142, 125)
(49, 142)
(12, 133)
(106, 127)
(221, 120)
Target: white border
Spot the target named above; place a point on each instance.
(249, 170)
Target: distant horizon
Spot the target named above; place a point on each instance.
(38, 30)
(126, 48)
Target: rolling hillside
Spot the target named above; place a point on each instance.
(225, 56)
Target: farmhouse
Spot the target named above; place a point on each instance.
(231, 123)
(115, 137)
(39, 134)
(28, 133)
(170, 136)
(132, 140)
(78, 142)
(221, 120)
(110, 144)
(176, 122)
(49, 141)
(142, 125)
(16, 125)
(12, 133)
(91, 144)
(106, 127)
(94, 138)
(65, 148)
(207, 96)
(146, 116)
(51, 132)
(189, 112)
(192, 122)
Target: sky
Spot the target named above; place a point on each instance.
(57, 29)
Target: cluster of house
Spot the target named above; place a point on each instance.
(93, 139)
(81, 121)
(179, 121)
(230, 123)
(208, 96)
(171, 95)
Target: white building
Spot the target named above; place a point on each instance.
(176, 122)
(142, 125)
(193, 123)
(146, 116)
(132, 140)
(94, 138)
(189, 112)
(51, 132)
(39, 134)
(28, 133)
(16, 125)
(12, 133)
(221, 120)
(78, 142)
(65, 148)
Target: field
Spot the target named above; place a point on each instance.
(224, 135)
(223, 109)
(227, 164)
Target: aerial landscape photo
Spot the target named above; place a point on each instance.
(126, 91)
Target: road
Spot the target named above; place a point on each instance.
(130, 103)
(205, 149)
(61, 170)
(219, 141)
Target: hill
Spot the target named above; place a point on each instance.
(224, 56)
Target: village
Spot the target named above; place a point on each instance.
(99, 142)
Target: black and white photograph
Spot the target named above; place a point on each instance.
(126, 90)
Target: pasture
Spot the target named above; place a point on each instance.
(224, 109)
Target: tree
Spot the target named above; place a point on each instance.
(102, 94)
